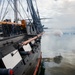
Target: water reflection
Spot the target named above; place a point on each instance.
(59, 69)
(54, 46)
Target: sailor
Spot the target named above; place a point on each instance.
(13, 29)
(18, 29)
(9, 27)
(5, 29)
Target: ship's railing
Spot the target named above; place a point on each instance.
(23, 23)
(38, 65)
(31, 39)
(10, 23)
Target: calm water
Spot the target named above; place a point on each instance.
(59, 45)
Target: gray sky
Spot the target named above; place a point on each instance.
(62, 12)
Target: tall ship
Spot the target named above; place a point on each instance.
(20, 41)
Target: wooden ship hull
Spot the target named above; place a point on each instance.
(20, 45)
(21, 59)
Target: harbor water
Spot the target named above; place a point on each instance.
(62, 44)
(59, 38)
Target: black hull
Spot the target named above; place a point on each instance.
(6, 44)
(27, 65)
(20, 44)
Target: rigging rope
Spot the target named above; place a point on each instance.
(9, 3)
(5, 11)
(14, 9)
(37, 8)
(2, 9)
(24, 10)
(4, 16)
(20, 6)
(17, 10)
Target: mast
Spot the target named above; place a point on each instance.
(35, 16)
(15, 11)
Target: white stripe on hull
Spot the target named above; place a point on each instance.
(12, 59)
(27, 47)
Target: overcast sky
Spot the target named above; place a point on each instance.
(62, 12)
